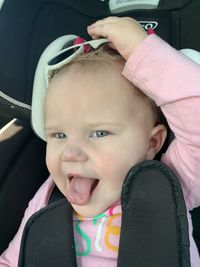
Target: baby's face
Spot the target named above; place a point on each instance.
(96, 131)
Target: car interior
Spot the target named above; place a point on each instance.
(26, 29)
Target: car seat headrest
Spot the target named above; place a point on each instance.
(39, 84)
(192, 54)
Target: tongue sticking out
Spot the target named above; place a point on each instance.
(79, 190)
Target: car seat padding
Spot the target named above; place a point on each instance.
(154, 222)
(48, 238)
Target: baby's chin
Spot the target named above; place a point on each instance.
(87, 211)
(90, 212)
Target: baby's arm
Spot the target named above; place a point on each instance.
(173, 81)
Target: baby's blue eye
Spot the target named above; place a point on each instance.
(100, 133)
(60, 135)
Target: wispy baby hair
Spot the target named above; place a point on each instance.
(103, 58)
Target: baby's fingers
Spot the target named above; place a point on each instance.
(103, 27)
(98, 30)
(124, 33)
(106, 20)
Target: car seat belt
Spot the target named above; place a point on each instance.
(154, 230)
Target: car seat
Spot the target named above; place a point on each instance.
(35, 26)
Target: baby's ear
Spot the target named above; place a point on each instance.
(156, 140)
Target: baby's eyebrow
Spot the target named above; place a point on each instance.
(50, 128)
(86, 125)
(102, 121)
(100, 124)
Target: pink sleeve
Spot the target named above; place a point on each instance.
(10, 256)
(173, 81)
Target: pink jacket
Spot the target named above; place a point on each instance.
(173, 81)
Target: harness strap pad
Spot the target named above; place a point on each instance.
(154, 229)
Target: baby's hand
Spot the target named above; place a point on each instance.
(125, 33)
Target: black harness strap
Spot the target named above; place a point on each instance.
(48, 238)
(154, 229)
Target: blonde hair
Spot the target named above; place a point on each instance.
(105, 56)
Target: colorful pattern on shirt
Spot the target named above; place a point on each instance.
(98, 237)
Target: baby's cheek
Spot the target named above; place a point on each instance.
(50, 161)
(108, 160)
(112, 165)
(123, 170)
(49, 164)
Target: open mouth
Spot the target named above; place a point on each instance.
(96, 181)
(79, 189)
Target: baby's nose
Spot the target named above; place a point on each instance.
(74, 154)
